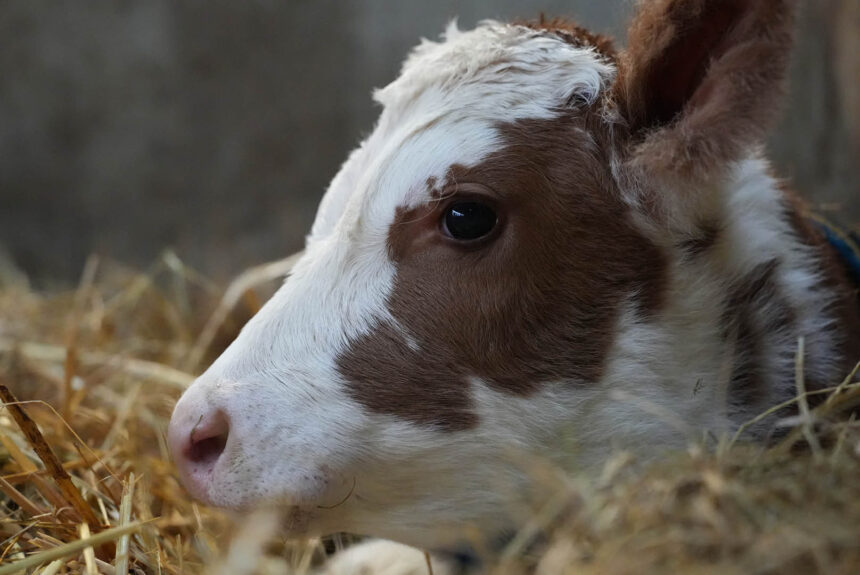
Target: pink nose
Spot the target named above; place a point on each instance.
(197, 437)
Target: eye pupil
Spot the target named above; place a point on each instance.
(469, 220)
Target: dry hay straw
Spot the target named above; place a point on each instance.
(86, 484)
(90, 377)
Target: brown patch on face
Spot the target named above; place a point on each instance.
(536, 304)
(425, 386)
(431, 185)
(573, 34)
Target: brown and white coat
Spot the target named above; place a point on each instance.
(647, 279)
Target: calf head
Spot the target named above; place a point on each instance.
(474, 271)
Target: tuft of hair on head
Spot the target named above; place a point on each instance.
(572, 33)
(699, 82)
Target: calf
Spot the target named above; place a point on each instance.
(542, 244)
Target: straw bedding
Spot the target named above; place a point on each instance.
(90, 376)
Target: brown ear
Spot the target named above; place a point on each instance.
(701, 80)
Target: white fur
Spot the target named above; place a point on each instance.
(381, 557)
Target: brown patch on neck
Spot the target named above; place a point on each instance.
(846, 307)
(705, 238)
(538, 304)
(573, 34)
(756, 311)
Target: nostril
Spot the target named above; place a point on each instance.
(208, 438)
(207, 450)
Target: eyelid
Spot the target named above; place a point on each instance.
(465, 192)
(468, 188)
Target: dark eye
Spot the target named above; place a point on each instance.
(469, 220)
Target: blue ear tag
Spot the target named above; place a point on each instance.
(846, 244)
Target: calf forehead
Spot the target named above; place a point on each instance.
(497, 69)
(444, 109)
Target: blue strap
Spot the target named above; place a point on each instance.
(465, 559)
(846, 244)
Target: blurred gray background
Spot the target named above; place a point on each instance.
(214, 127)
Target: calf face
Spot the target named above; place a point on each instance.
(505, 252)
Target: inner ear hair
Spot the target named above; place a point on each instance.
(699, 80)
